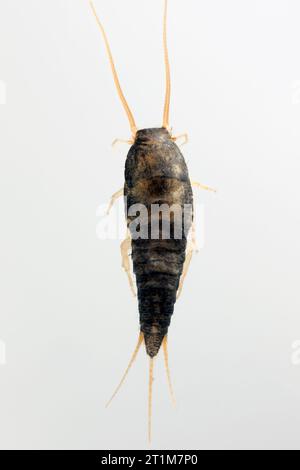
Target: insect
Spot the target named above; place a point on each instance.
(155, 175)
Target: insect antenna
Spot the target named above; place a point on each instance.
(166, 359)
(151, 367)
(133, 357)
(167, 68)
(115, 75)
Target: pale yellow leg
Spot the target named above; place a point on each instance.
(191, 248)
(185, 138)
(194, 245)
(125, 248)
(114, 198)
(122, 141)
(202, 186)
(188, 259)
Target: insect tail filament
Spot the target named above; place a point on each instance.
(166, 359)
(133, 357)
(151, 367)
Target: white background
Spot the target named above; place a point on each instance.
(68, 320)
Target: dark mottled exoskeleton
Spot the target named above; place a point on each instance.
(156, 173)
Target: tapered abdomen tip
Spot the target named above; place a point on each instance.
(153, 342)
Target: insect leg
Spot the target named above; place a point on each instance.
(125, 248)
(188, 259)
(202, 186)
(122, 141)
(114, 198)
(185, 138)
(191, 248)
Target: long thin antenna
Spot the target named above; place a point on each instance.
(166, 358)
(115, 75)
(151, 367)
(133, 357)
(168, 75)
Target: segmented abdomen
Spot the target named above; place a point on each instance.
(158, 267)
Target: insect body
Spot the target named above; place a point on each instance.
(156, 175)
